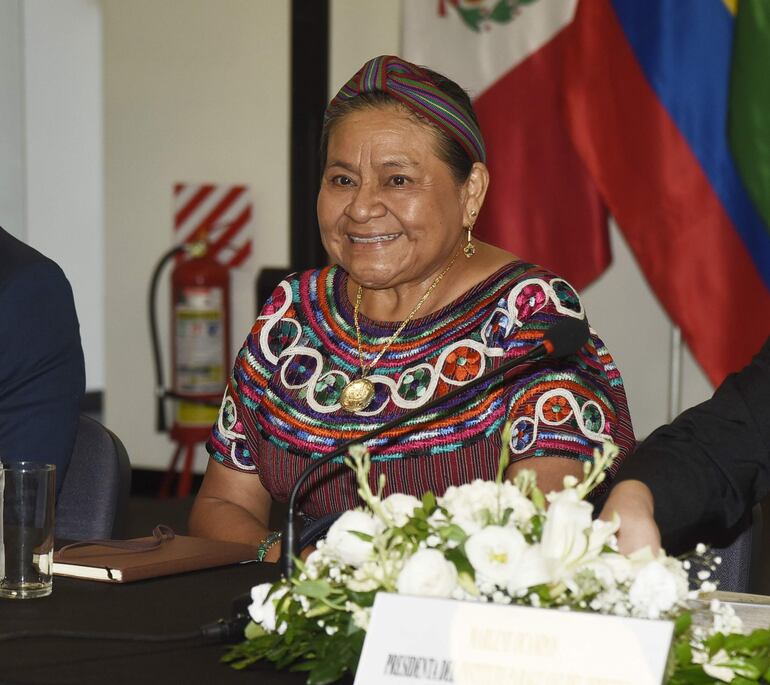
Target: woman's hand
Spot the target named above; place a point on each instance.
(633, 502)
(550, 471)
(231, 506)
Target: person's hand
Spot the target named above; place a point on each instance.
(633, 502)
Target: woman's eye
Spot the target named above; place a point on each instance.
(398, 180)
(342, 180)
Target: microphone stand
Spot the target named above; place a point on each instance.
(566, 337)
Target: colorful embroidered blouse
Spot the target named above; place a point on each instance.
(281, 408)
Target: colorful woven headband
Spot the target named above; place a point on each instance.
(412, 87)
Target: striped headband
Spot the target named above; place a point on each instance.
(413, 88)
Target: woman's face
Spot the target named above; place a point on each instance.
(391, 212)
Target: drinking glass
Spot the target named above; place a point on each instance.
(27, 494)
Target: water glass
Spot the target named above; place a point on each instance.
(27, 494)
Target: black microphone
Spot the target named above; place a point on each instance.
(565, 337)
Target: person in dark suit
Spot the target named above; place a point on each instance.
(42, 371)
(704, 470)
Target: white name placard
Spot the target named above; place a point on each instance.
(425, 641)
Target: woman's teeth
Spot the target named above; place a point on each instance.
(374, 239)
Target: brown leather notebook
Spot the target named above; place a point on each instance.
(123, 561)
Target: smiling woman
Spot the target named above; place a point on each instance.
(391, 212)
(412, 307)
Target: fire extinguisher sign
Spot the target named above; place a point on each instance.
(219, 214)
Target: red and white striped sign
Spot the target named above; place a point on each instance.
(220, 214)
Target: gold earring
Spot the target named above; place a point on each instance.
(470, 248)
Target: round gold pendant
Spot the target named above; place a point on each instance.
(357, 395)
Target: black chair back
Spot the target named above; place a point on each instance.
(740, 567)
(740, 549)
(93, 501)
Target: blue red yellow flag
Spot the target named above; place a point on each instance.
(647, 87)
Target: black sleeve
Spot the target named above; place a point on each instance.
(712, 463)
(42, 374)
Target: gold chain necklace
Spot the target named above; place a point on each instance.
(359, 393)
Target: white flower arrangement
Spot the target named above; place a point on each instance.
(484, 541)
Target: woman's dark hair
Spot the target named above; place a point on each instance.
(448, 149)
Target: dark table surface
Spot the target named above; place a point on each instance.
(174, 604)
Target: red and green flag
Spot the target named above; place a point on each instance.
(648, 93)
(749, 118)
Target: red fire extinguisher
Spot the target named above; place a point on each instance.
(200, 351)
(200, 322)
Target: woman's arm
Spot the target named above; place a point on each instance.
(550, 471)
(232, 506)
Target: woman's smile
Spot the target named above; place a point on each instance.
(373, 239)
(390, 210)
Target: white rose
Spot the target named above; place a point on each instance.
(428, 574)
(495, 552)
(343, 545)
(262, 609)
(656, 590)
(400, 507)
(566, 532)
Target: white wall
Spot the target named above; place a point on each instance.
(620, 305)
(12, 175)
(195, 90)
(358, 31)
(64, 156)
(51, 148)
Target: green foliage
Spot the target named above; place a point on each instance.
(453, 533)
(538, 499)
(748, 656)
(320, 611)
(304, 646)
(505, 452)
(318, 589)
(458, 558)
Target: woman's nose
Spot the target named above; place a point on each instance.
(365, 204)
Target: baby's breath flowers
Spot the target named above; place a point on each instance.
(501, 542)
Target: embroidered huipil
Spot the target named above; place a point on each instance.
(281, 407)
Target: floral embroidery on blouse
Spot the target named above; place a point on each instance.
(283, 397)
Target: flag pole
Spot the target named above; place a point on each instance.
(675, 374)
